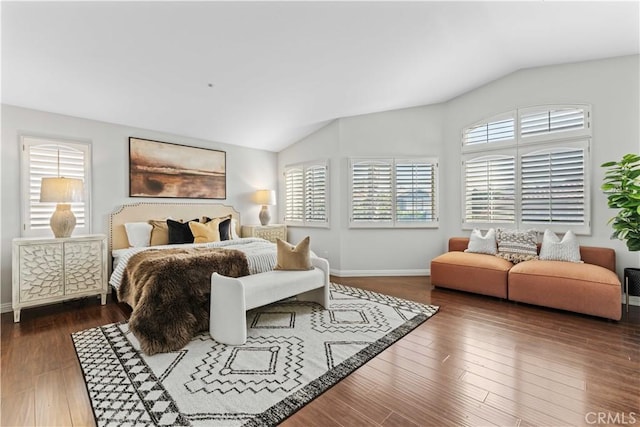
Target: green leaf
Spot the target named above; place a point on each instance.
(607, 164)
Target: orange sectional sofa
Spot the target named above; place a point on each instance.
(592, 287)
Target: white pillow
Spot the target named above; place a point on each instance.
(138, 234)
(234, 233)
(553, 249)
(479, 244)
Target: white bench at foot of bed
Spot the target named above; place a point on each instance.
(231, 297)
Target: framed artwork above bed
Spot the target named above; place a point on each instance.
(162, 169)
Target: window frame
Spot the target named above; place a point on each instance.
(523, 145)
(394, 223)
(305, 166)
(28, 140)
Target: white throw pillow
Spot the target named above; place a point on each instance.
(234, 233)
(479, 244)
(554, 249)
(138, 234)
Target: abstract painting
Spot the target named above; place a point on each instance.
(161, 169)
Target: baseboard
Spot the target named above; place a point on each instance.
(5, 308)
(633, 300)
(364, 273)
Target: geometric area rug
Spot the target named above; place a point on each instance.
(294, 352)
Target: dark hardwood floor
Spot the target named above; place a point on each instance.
(479, 361)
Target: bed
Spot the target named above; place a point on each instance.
(168, 286)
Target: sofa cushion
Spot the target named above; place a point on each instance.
(583, 288)
(479, 273)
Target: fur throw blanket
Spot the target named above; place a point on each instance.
(169, 292)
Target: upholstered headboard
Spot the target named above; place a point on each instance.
(144, 211)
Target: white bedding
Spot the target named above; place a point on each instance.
(261, 255)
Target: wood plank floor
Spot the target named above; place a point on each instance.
(480, 361)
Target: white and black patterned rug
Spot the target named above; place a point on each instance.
(294, 352)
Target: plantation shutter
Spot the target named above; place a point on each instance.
(544, 121)
(45, 158)
(315, 184)
(492, 131)
(490, 189)
(553, 186)
(294, 195)
(371, 191)
(415, 190)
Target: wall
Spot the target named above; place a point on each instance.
(408, 132)
(611, 86)
(247, 170)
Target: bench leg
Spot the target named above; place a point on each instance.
(227, 317)
(320, 296)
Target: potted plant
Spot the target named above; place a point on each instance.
(622, 186)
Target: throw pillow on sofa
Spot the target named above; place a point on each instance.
(479, 244)
(554, 249)
(517, 246)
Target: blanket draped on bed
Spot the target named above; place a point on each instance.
(169, 291)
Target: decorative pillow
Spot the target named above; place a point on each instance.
(516, 246)
(224, 227)
(159, 232)
(208, 232)
(293, 257)
(179, 232)
(233, 229)
(553, 249)
(138, 234)
(479, 244)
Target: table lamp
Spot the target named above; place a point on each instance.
(62, 191)
(265, 198)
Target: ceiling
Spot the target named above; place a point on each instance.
(266, 74)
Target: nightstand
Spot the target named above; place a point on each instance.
(268, 232)
(49, 270)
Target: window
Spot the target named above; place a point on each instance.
(393, 193)
(535, 178)
(48, 157)
(306, 194)
(490, 189)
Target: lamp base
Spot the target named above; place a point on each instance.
(264, 216)
(63, 221)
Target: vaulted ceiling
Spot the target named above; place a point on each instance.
(265, 74)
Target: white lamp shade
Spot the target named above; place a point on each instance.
(265, 197)
(61, 190)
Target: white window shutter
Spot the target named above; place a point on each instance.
(553, 186)
(415, 191)
(294, 195)
(315, 194)
(498, 129)
(371, 191)
(541, 121)
(489, 188)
